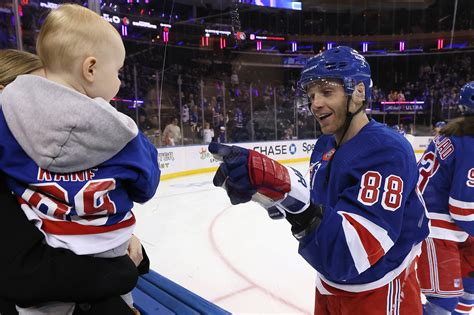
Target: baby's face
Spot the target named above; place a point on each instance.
(109, 63)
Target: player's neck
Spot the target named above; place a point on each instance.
(358, 122)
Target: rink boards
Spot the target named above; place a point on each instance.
(196, 159)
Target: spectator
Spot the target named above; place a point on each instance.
(221, 135)
(172, 133)
(207, 133)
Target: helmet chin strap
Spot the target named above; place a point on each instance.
(347, 124)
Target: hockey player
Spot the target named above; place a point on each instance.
(438, 126)
(446, 266)
(358, 219)
(85, 210)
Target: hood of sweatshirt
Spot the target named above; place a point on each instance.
(61, 129)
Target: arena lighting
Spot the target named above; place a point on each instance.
(241, 36)
(440, 43)
(329, 45)
(294, 46)
(205, 40)
(49, 5)
(145, 24)
(365, 47)
(217, 32)
(401, 46)
(281, 4)
(117, 99)
(166, 31)
(402, 102)
(269, 37)
(223, 42)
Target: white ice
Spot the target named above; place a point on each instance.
(234, 256)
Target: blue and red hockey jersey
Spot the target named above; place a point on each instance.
(85, 210)
(374, 218)
(96, 202)
(447, 184)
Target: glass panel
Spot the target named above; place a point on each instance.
(231, 69)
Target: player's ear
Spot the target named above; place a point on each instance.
(89, 69)
(358, 96)
(1, 87)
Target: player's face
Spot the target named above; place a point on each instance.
(328, 104)
(109, 64)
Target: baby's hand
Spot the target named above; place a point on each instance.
(135, 250)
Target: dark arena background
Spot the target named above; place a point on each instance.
(231, 67)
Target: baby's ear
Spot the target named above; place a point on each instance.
(358, 96)
(88, 69)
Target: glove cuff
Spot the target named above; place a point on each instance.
(298, 198)
(304, 223)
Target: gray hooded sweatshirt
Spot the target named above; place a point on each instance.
(61, 129)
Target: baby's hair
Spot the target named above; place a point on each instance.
(71, 32)
(15, 62)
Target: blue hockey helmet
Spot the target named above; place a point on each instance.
(343, 63)
(440, 124)
(466, 99)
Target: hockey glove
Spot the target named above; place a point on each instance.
(248, 175)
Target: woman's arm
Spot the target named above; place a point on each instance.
(32, 272)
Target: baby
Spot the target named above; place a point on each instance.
(52, 128)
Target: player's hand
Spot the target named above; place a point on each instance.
(245, 172)
(248, 175)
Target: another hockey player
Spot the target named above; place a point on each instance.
(85, 209)
(438, 126)
(359, 218)
(446, 266)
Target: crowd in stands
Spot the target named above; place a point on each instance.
(239, 104)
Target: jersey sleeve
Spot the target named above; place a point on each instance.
(366, 220)
(461, 194)
(141, 157)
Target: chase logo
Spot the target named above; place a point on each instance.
(292, 148)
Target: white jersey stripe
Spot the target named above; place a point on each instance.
(389, 298)
(378, 232)
(440, 216)
(446, 234)
(356, 248)
(461, 204)
(458, 217)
